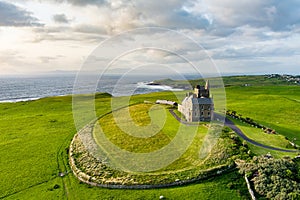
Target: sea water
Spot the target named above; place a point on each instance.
(15, 89)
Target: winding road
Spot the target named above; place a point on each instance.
(238, 131)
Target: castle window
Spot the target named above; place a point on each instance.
(202, 113)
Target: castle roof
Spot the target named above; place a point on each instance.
(203, 100)
(199, 101)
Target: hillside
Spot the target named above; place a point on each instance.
(35, 137)
(254, 80)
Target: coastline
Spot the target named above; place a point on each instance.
(141, 87)
(27, 99)
(20, 100)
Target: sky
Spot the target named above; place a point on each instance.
(240, 37)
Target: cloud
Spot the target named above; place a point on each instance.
(235, 33)
(286, 15)
(171, 15)
(218, 17)
(48, 59)
(11, 15)
(84, 2)
(61, 18)
(79, 33)
(275, 14)
(119, 15)
(73, 2)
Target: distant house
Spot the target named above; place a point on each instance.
(198, 106)
(166, 102)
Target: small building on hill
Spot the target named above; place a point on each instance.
(166, 102)
(198, 106)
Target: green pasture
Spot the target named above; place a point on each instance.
(35, 136)
(260, 136)
(277, 107)
(273, 140)
(34, 140)
(160, 134)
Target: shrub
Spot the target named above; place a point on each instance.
(56, 186)
(273, 178)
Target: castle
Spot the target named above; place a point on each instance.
(198, 106)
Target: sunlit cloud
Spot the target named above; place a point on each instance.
(241, 36)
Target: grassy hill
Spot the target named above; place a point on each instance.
(35, 136)
(253, 80)
(271, 101)
(171, 151)
(274, 106)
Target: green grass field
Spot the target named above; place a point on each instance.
(34, 140)
(276, 107)
(241, 80)
(260, 136)
(167, 149)
(273, 140)
(34, 137)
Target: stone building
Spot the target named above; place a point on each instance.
(198, 106)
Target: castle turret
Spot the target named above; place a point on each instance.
(207, 88)
(202, 91)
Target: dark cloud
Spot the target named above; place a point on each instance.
(11, 15)
(286, 14)
(226, 17)
(170, 15)
(61, 18)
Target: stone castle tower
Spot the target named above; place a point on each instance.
(198, 106)
(202, 91)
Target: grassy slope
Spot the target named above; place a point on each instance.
(260, 136)
(255, 80)
(271, 102)
(275, 107)
(132, 143)
(31, 135)
(264, 138)
(34, 137)
(216, 188)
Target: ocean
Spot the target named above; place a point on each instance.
(16, 89)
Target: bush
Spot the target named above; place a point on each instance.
(273, 178)
(56, 186)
